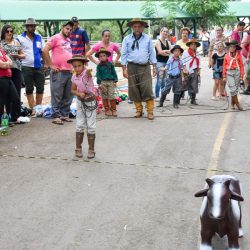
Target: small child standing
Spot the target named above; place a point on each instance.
(191, 63)
(175, 77)
(233, 71)
(106, 79)
(217, 64)
(83, 89)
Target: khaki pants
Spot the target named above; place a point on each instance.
(108, 89)
(139, 82)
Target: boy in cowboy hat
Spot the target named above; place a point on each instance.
(175, 76)
(106, 79)
(192, 62)
(233, 71)
(83, 89)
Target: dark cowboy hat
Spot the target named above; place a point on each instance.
(177, 47)
(102, 50)
(78, 58)
(193, 40)
(30, 21)
(235, 43)
(137, 20)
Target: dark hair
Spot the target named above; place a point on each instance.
(241, 23)
(4, 30)
(106, 30)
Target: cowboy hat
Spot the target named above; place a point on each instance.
(177, 47)
(78, 58)
(193, 40)
(234, 43)
(137, 20)
(102, 50)
(30, 21)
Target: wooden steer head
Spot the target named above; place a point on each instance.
(218, 198)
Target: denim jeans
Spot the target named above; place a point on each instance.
(161, 77)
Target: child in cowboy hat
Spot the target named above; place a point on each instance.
(192, 62)
(175, 77)
(106, 79)
(83, 89)
(233, 71)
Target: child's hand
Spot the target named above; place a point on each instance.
(81, 95)
(89, 72)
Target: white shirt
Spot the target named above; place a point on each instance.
(186, 59)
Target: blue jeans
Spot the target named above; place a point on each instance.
(161, 77)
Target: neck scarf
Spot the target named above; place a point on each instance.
(177, 60)
(136, 41)
(192, 53)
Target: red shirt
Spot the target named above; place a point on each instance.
(233, 63)
(3, 58)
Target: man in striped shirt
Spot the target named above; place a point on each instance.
(79, 39)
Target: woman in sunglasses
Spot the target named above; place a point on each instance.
(14, 51)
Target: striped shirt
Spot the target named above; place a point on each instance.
(78, 38)
(32, 50)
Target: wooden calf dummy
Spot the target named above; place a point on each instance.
(220, 211)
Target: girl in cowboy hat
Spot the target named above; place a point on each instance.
(192, 62)
(83, 89)
(106, 79)
(233, 71)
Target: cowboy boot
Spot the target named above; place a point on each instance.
(79, 140)
(31, 100)
(236, 101)
(91, 141)
(175, 101)
(139, 108)
(162, 99)
(113, 107)
(106, 107)
(193, 101)
(150, 109)
(39, 99)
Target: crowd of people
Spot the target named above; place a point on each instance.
(175, 66)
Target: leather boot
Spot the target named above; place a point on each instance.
(31, 100)
(150, 109)
(39, 99)
(236, 101)
(106, 107)
(91, 141)
(162, 99)
(139, 109)
(113, 107)
(193, 101)
(79, 140)
(175, 101)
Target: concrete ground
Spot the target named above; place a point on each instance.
(138, 194)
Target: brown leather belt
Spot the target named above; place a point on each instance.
(65, 71)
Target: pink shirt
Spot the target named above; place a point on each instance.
(84, 83)
(111, 48)
(61, 51)
(236, 36)
(246, 44)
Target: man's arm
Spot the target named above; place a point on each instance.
(152, 57)
(47, 59)
(124, 56)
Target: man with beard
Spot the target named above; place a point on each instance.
(60, 78)
(137, 54)
(32, 45)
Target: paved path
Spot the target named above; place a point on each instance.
(137, 194)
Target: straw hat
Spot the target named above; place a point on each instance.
(78, 58)
(234, 43)
(193, 40)
(137, 20)
(30, 21)
(102, 50)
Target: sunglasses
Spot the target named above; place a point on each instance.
(9, 31)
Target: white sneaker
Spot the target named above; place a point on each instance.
(214, 98)
(157, 99)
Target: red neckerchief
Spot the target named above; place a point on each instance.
(178, 60)
(233, 54)
(192, 53)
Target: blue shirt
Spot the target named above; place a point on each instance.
(143, 55)
(174, 66)
(78, 40)
(32, 50)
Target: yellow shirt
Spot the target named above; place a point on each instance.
(182, 44)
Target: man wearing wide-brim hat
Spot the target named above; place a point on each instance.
(32, 68)
(137, 55)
